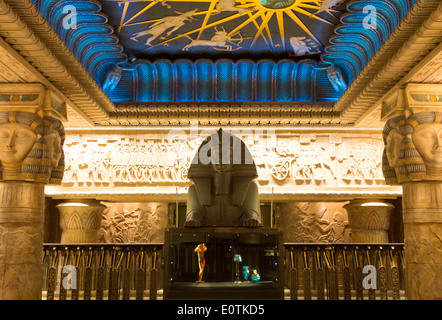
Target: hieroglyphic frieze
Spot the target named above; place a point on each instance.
(282, 159)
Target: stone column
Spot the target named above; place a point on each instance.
(369, 221)
(30, 157)
(21, 239)
(422, 211)
(413, 159)
(80, 220)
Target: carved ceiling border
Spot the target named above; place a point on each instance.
(25, 29)
(225, 114)
(416, 36)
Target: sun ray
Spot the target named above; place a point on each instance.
(123, 15)
(265, 19)
(250, 19)
(280, 18)
(139, 13)
(312, 15)
(293, 16)
(206, 18)
(216, 23)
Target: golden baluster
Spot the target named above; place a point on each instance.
(52, 271)
(101, 271)
(358, 274)
(306, 275)
(346, 274)
(77, 258)
(88, 258)
(294, 281)
(140, 274)
(65, 255)
(319, 274)
(126, 275)
(371, 292)
(382, 274)
(395, 282)
(153, 276)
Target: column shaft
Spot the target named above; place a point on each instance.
(422, 209)
(21, 240)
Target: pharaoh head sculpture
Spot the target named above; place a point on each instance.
(223, 192)
(24, 150)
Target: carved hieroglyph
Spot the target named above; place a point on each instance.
(312, 222)
(289, 159)
(133, 222)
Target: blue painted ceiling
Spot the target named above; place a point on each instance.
(224, 50)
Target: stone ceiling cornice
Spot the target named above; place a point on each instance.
(23, 27)
(414, 38)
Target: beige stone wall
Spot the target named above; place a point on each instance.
(132, 222)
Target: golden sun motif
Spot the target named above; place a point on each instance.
(241, 13)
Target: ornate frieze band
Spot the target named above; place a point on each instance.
(287, 160)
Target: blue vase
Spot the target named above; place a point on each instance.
(245, 273)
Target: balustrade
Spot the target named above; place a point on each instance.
(101, 271)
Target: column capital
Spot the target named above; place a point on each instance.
(413, 134)
(31, 134)
(32, 97)
(410, 99)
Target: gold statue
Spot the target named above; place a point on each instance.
(200, 249)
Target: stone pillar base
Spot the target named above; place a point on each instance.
(21, 240)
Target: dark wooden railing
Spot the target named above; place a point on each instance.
(101, 271)
(336, 271)
(312, 271)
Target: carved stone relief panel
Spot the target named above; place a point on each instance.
(142, 222)
(285, 159)
(312, 222)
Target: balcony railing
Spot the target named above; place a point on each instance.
(134, 271)
(102, 271)
(344, 271)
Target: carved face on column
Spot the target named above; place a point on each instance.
(393, 147)
(54, 146)
(392, 141)
(16, 140)
(427, 139)
(22, 154)
(54, 137)
(421, 148)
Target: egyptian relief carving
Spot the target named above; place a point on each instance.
(30, 147)
(133, 223)
(425, 244)
(314, 222)
(418, 155)
(302, 159)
